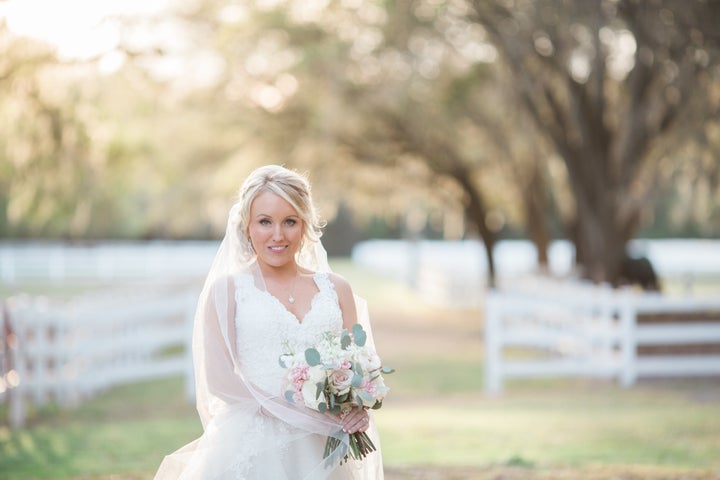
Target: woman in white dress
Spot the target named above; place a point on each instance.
(269, 290)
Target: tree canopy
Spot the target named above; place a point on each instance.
(596, 121)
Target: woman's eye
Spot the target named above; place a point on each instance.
(264, 221)
(290, 221)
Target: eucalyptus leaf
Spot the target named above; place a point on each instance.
(359, 335)
(356, 380)
(320, 389)
(289, 396)
(312, 357)
(377, 405)
(366, 397)
(322, 408)
(388, 370)
(345, 340)
(281, 361)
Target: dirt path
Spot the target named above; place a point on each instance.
(514, 473)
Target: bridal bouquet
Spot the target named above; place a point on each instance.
(335, 375)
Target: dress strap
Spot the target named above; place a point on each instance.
(243, 284)
(325, 284)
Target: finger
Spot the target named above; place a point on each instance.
(357, 423)
(351, 424)
(352, 417)
(364, 424)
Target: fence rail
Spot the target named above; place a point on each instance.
(595, 332)
(70, 351)
(104, 262)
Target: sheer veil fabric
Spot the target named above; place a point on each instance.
(250, 433)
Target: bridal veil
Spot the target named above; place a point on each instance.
(229, 405)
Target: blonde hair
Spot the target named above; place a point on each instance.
(289, 185)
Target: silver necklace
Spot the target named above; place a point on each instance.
(291, 298)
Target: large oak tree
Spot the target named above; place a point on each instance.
(608, 82)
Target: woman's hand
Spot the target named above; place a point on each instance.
(355, 420)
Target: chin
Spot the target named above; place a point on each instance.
(277, 261)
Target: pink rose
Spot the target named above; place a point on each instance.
(298, 375)
(370, 388)
(340, 381)
(372, 391)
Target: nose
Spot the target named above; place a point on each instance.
(277, 232)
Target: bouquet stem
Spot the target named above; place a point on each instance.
(360, 446)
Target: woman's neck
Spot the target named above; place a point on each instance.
(283, 272)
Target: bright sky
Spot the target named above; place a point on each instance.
(84, 29)
(77, 28)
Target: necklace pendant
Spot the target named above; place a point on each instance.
(291, 299)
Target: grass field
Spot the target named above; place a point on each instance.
(436, 424)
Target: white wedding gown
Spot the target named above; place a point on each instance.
(243, 441)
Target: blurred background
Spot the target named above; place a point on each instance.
(526, 192)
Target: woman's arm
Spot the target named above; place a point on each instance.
(346, 299)
(357, 419)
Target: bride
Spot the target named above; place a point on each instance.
(269, 289)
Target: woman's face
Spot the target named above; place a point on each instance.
(275, 229)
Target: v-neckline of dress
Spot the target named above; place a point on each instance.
(298, 320)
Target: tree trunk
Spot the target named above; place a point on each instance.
(536, 216)
(601, 234)
(476, 213)
(602, 247)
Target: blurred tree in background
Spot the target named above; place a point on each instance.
(615, 86)
(596, 121)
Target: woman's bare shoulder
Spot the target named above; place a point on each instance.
(342, 286)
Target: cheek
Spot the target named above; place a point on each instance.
(298, 234)
(301, 231)
(255, 234)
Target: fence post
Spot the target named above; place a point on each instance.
(605, 310)
(39, 351)
(493, 344)
(628, 342)
(16, 373)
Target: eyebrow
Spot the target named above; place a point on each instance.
(270, 216)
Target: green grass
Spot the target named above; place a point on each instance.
(569, 424)
(128, 429)
(575, 426)
(436, 418)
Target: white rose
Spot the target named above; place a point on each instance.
(309, 390)
(369, 361)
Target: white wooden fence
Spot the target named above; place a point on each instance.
(587, 331)
(72, 350)
(104, 262)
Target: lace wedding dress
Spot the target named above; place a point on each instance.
(266, 330)
(249, 440)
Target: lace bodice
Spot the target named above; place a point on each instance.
(266, 329)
